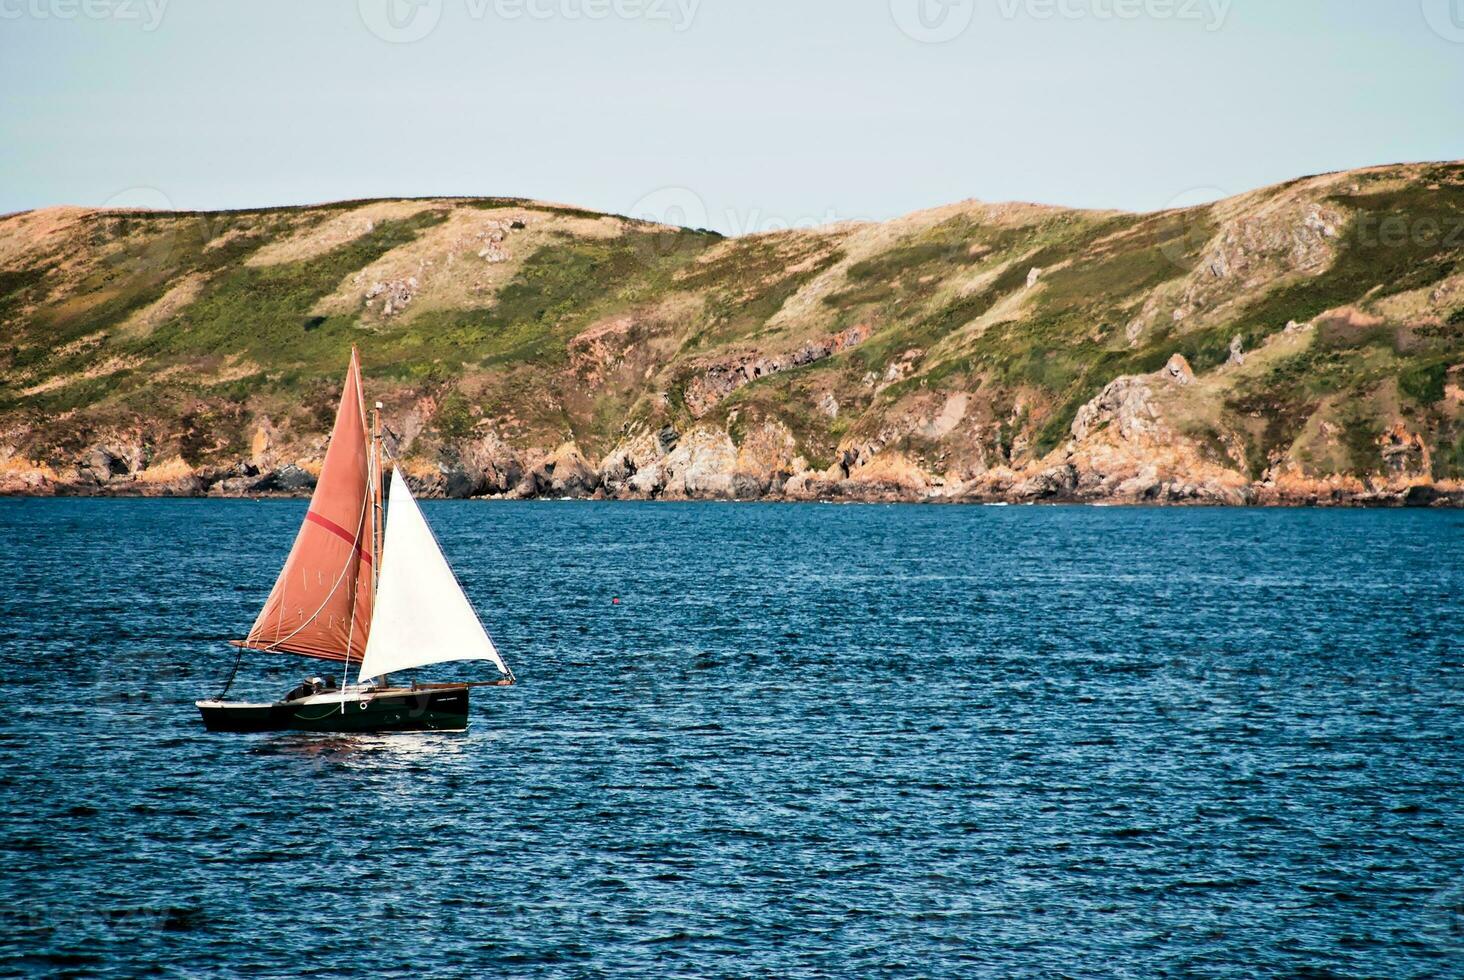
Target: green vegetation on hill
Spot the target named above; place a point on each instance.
(264, 313)
(560, 290)
(164, 325)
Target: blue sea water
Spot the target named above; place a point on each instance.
(808, 741)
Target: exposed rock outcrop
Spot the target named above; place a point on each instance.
(1060, 482)
(395, 294)
(721, 378)
(288, 480)
(1124, 448)
(563, 473)
(1405, 454)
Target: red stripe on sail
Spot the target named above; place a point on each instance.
(338, 531)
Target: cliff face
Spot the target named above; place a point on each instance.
(1299, 343)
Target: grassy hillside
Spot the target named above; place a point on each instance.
(949, 351)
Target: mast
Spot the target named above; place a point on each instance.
(378, 512)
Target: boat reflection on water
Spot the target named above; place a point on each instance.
(378, 750)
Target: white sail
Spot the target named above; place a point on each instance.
(422, 616)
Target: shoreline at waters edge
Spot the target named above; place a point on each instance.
(1256, 497)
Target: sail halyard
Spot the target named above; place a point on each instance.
(321, 604)
(422, 615)
(378, 509)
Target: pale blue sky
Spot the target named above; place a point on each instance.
(760, 112)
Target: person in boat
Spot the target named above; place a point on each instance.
(309, 687)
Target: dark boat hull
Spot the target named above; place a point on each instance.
(397, 711)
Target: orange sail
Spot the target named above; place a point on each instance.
(321, 604)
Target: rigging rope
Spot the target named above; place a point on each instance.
(232, 674)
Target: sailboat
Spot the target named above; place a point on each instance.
(367, 589)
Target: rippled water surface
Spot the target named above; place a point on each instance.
(839, 741)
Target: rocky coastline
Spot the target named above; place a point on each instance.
(1122, 451)
(1059, 486)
